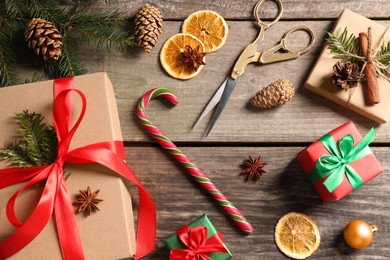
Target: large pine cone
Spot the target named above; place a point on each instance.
(275, 94)
(346, 74)
(148, 27)
(43, 37)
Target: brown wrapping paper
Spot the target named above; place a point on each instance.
(106, 234)
(320, 80)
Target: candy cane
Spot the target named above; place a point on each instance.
(191, 168)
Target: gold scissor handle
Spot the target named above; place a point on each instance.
(265, 25)
(276, 19)
(274, 54)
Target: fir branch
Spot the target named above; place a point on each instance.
(80, 17)
(33, 132)
(37, 144)
(100, 29)
(7, 60)
(88, 1)
(48, 10)
(15, 8)
(34, 78)
(16, 152)
(7, 24)
(343, 43)
(384, 58)
(105, 36)
(384, 54)
(77, 26)
(69, 63)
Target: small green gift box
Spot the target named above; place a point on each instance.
(199, 238)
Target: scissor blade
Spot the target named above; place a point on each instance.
(212, 103)
(230, 85)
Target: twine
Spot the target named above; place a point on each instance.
(371, 58)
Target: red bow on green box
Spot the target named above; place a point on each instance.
(198, 246)
(198, 240)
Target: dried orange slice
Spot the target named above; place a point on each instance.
(297, 235)
(171, 56)
(209, 27)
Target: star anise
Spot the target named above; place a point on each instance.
(87, 201)
(193, 57)
(253, 168)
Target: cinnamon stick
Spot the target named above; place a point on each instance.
(371, 91)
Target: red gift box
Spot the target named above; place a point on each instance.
(367, 167)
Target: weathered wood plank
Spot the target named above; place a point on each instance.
(304, 119)
(242, 10)
(282, 189)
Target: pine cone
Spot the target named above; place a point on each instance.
(346, 74)
(275, 94)
(43, 37)
(148, 27)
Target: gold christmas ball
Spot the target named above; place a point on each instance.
(358, 234)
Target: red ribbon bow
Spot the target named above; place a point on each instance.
(55, 199)
(197, 243)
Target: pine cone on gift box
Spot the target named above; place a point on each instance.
(148, 27)
(43, 37)
(346, 74)
(275, 94)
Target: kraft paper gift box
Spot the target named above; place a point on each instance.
(105, 234)
(364, 164)
(320, 81)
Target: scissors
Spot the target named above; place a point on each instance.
(280, 52)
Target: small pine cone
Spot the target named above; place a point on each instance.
(43, 37)
(148, 27)
(346, 74)
(275, 94)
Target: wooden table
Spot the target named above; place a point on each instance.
(277, 134)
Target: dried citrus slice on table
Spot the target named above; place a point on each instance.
(297, 235)
(172, 58)
(209, 27)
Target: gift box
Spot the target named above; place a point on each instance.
(320, 81)
(192, 235)
(340, 162)
(105, 234)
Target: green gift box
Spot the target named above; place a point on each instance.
(174, 242)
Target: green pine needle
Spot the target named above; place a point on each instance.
(384, 58)
(100, 29)
(77, 25)
(36, 145)
(69, 63)
(341, 43)
(104, 37)
(36, 77)
(46, 9)
(7, 60)
(14, 8)
(88, 1)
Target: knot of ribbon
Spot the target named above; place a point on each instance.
(337, 165)
(198, 246)
(55, 199)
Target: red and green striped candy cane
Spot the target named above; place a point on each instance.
(191, 168)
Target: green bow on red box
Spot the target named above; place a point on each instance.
(337, 165)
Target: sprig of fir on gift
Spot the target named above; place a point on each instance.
(56, 36)
(36, 144)
(345, 46)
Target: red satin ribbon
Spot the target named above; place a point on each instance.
(55, 199)
(198, 246)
